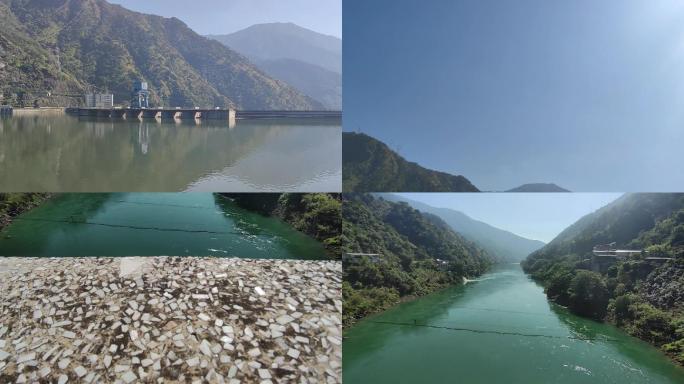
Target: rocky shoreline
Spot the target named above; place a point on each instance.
(14, 204)
(170, 319)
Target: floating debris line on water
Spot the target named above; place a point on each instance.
(161, 229)
(417, 324)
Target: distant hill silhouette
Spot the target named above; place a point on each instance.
(307, 60)
(369, 165)
(538, 187)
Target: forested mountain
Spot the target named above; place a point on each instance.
(66, 47)
(412, 253)
(369, 165)
(503, 245)
(642, 293)
(307, 60)
(538, 187)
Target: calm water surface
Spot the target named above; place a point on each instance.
(152, 224)
(60, 153)
(504, 300)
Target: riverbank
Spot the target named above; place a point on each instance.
(633, 309)
(170, 318)
(384, 300)
(349, 324)
(14, 204)
(393, 251)
(318, 215)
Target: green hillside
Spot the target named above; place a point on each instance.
(417, 254)
(66, 47)
(643, 295)
(369, 165)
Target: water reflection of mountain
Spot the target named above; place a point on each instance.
(307, 157)
(61, 153)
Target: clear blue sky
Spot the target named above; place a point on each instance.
(225, 16)
(538, 216)
(586, 94)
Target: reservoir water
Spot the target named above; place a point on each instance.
(61, 153)
(502, 330)
(152, 224)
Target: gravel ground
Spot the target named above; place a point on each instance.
(170, 320)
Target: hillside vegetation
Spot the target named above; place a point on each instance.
(645, 297)
(67, 47)
(369, 165)
(14, 204)
(417, 254)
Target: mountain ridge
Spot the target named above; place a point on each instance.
(307, 60)
(69, 47)
(286, 40)
(369, 165)
(505, 245)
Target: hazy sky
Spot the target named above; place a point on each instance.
(539, 216)
(226, 16)
(586, 94)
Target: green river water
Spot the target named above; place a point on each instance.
(520, 338)
(152, 224)
(61, 153)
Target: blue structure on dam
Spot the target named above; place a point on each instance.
(141, 95)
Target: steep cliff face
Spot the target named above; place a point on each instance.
(664, 288)
(69, 46)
